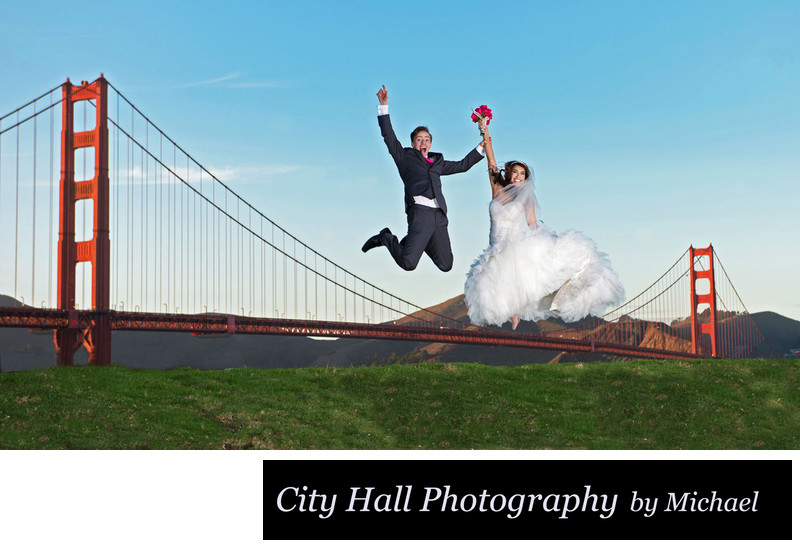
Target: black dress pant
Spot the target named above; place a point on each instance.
(427, 232)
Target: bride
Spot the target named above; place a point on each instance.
(528, 272)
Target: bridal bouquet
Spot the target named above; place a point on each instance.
(482, 113)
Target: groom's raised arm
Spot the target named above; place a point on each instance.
(385, 123)
(474, 156)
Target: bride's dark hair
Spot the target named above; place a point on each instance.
(503, 176)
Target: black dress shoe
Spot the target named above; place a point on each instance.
(375, 241)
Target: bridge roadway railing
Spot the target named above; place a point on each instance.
(207, 324)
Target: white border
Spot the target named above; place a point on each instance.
(215, 497)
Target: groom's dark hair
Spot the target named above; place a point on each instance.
(417, 130)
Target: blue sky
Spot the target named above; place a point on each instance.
(650, 126)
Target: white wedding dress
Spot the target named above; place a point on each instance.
(532, 272)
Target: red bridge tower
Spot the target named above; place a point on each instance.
(706, 327)
(96, 337)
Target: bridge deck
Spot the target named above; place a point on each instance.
(217, 323)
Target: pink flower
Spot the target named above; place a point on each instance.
(482, 113)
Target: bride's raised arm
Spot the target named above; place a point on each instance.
(487, 147)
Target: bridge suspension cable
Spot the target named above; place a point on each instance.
(740, 335)
(186, 220)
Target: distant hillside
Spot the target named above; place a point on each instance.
(5, 300)
(782, 333)
(21, 349)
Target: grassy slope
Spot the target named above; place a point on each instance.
(707, 404)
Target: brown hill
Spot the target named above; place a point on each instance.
(657, 337)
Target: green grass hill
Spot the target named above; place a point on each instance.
(703, 404)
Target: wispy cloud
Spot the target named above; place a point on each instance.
(251, 174)
(229, 175)
(229, 81)
(211, 82)
(258, 85)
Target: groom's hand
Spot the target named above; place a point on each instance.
(383, 96)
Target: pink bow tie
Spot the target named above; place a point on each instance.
(430, 161)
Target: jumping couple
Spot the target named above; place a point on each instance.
(527, 272)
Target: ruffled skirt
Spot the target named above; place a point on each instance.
(538, 275)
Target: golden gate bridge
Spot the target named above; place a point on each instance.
(108, 224)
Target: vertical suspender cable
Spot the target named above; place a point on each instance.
(146, 217)
(1, 165)
(252, 266)
(274, 274)
(33, 230)
(305, 283)
(142, 285)
(211, 237)
(174, 255)
(115, 239)
(263, 272)
(228, 259)
(180, 253)
(129, 220)
(52, 200)
(294, 256)
(214, 242)
(251, 230)
(159, 231)
(200, 249)
(16, 214)
(193, 234)
(190, 281)
(241, 267)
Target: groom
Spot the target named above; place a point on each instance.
(426, 208)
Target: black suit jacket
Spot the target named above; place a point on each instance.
(419, 177)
